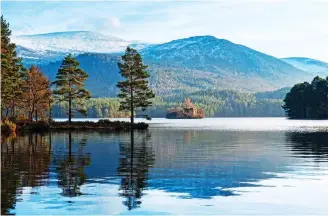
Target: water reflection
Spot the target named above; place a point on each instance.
(25, 162)
(313, 144)
(135, 161)
(70, 167)
(92, 168)
(205, 164)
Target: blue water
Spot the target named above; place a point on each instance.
(208, 166)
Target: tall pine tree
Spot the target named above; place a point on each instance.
(12, 72)
(135, 93)
(69, 85)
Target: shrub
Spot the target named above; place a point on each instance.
(21, 117)
(8, 126)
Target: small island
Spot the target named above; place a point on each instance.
(188, 111)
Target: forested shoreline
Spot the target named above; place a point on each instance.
(224, 103)
(28, 94)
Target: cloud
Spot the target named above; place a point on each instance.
(277, 27)
(115, 22)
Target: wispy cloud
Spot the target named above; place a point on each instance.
(277, 27)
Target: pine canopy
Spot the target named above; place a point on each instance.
(69, 84)
(135, 93)
(11, 71)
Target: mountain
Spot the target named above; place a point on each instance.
(48, 47)
(73, 41)
(184, 65)
(101, 68)
(313, 66)
(31, 56)
(222, 63)
(278, 94)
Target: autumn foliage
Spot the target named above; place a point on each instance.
(37, 94)
(188, 111)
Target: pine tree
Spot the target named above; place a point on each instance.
(135, 92)
(69, 85)
(11, 72)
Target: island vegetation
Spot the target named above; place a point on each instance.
(308, 101)
(188, 111)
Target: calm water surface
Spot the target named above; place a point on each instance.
(208, 166)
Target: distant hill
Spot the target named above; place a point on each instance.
(102, 69)
(277, 94)
(184, 65)
(219, 56)
(312, 66)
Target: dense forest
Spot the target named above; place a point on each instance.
(225, 103)
(308, 101)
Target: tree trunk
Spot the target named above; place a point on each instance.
(31, 113)
(7, 113)
(131, 104)
(70, 110)
(30, 116)
(132, 113)
(50, 112)
(13, 110)
(36, 115)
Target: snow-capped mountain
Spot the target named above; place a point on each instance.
(74, 41)
(192, 64)
(313, 66)
(195, 63)
(208, 53)
(53, 46)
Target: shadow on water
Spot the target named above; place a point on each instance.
(25, 162)
(314, 144)
(187, 164)
(135, 160)
(70, 167)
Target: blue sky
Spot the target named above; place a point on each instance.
(277, 27)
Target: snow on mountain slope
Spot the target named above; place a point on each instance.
(313, 66)
(73, 41)
(208, 53)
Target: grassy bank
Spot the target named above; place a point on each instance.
(40, 126)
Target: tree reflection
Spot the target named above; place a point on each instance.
(315, 144)
(136, 159)
(70, 167)
(25, 161)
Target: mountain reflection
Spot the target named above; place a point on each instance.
(135, 161)
(25, 161)
(183, 164)
(70, 167)
(205, 164)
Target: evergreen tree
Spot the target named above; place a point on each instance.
(135, 93)
(11, 72)
(69, 85)
(308, 101)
